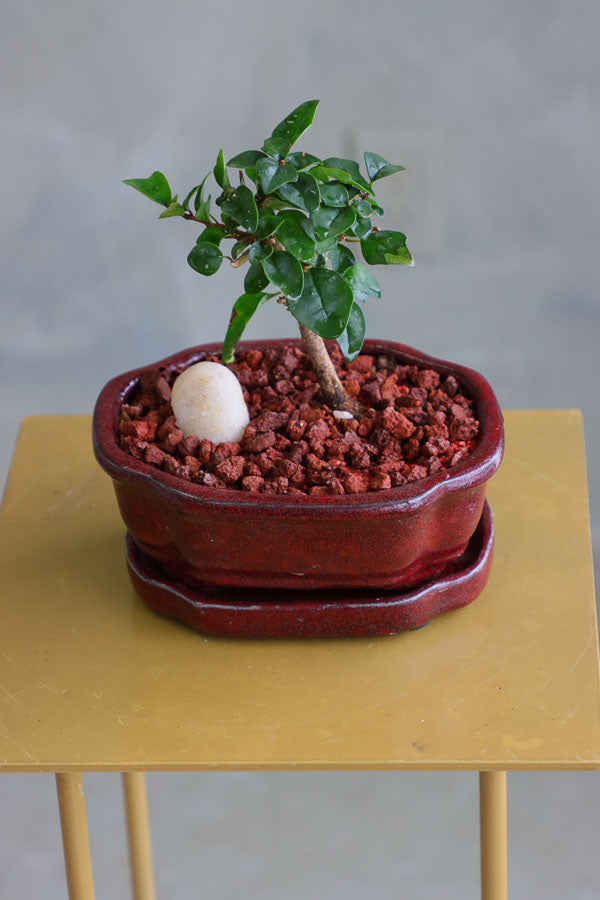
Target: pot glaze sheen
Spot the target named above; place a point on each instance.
(396, 538)
(264, 613)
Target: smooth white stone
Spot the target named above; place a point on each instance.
(342, 414)
(208, 402)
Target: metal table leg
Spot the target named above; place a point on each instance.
(492, 811)
(138, 831)
(76, 845)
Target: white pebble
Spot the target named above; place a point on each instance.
(208, 402)
(342, 414)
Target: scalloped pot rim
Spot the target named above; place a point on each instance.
(480, 465)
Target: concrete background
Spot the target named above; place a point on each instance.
(493, 108)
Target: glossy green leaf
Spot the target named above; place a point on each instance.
(211, 233)
(378, 167)
(363, 208)
(267, 225)
(351, 167)
(276, 147)
(243, 310)
(205, 258)
(186, 202)
(331, 222)
(386, 248)
(260, 252)
(302, 160)
(241, 206)
(255, 280)
(375, 206)
(271, 175)
(245, 160)
(298, 215)
(295, 235)
(340, 258)
(285, 272)
(326, 246)
(156, 187)
(201, 205)
(351, 339)
(362, 281)
(295, 123)
(334, 194)
(173, 209)
(220, 172)
(238, 248)
(362, 227)
(325, 303)
(304, 192)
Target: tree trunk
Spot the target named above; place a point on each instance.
(333, 392)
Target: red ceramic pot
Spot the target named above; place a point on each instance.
(395, 538)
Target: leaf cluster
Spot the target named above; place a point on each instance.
(291, 217)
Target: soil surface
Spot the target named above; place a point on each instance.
(415, 424)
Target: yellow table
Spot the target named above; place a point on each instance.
(91, 680)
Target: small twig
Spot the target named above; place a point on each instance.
(238, 235)
(236, 263)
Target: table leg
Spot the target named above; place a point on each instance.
(138, 832)
(76, 845)
(492, 814)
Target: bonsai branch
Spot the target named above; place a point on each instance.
(239, 235)
(332, 389)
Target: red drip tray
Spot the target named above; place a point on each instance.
(272, 613)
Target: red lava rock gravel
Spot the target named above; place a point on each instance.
(415, 424)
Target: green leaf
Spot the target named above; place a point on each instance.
(362, 227)
(173, 209)
(220, 172)
(303, 193)
(362, 282)
(340, 258)
(243, 310)
(211, 233)
(271, 175)
(238, 248)
(363, 208)
(351, 339)
(289, 129)
(302, 160)
(241, 206)
(334, 194)
(245, 160)
(375, 206)
(258, 252)
(331, 222)
(386, 248)
(325, 303)
(351, 167)
(295, 237)
(255, 280)
(267, 225)
(186, 202)
(285, 272)
(156, 187)
(326, 246)
(276, 147)
(378, 167)
(201, 205)
(205, 258)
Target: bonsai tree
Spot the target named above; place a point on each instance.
(293, 219)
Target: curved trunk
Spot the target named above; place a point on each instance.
(333, 392)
